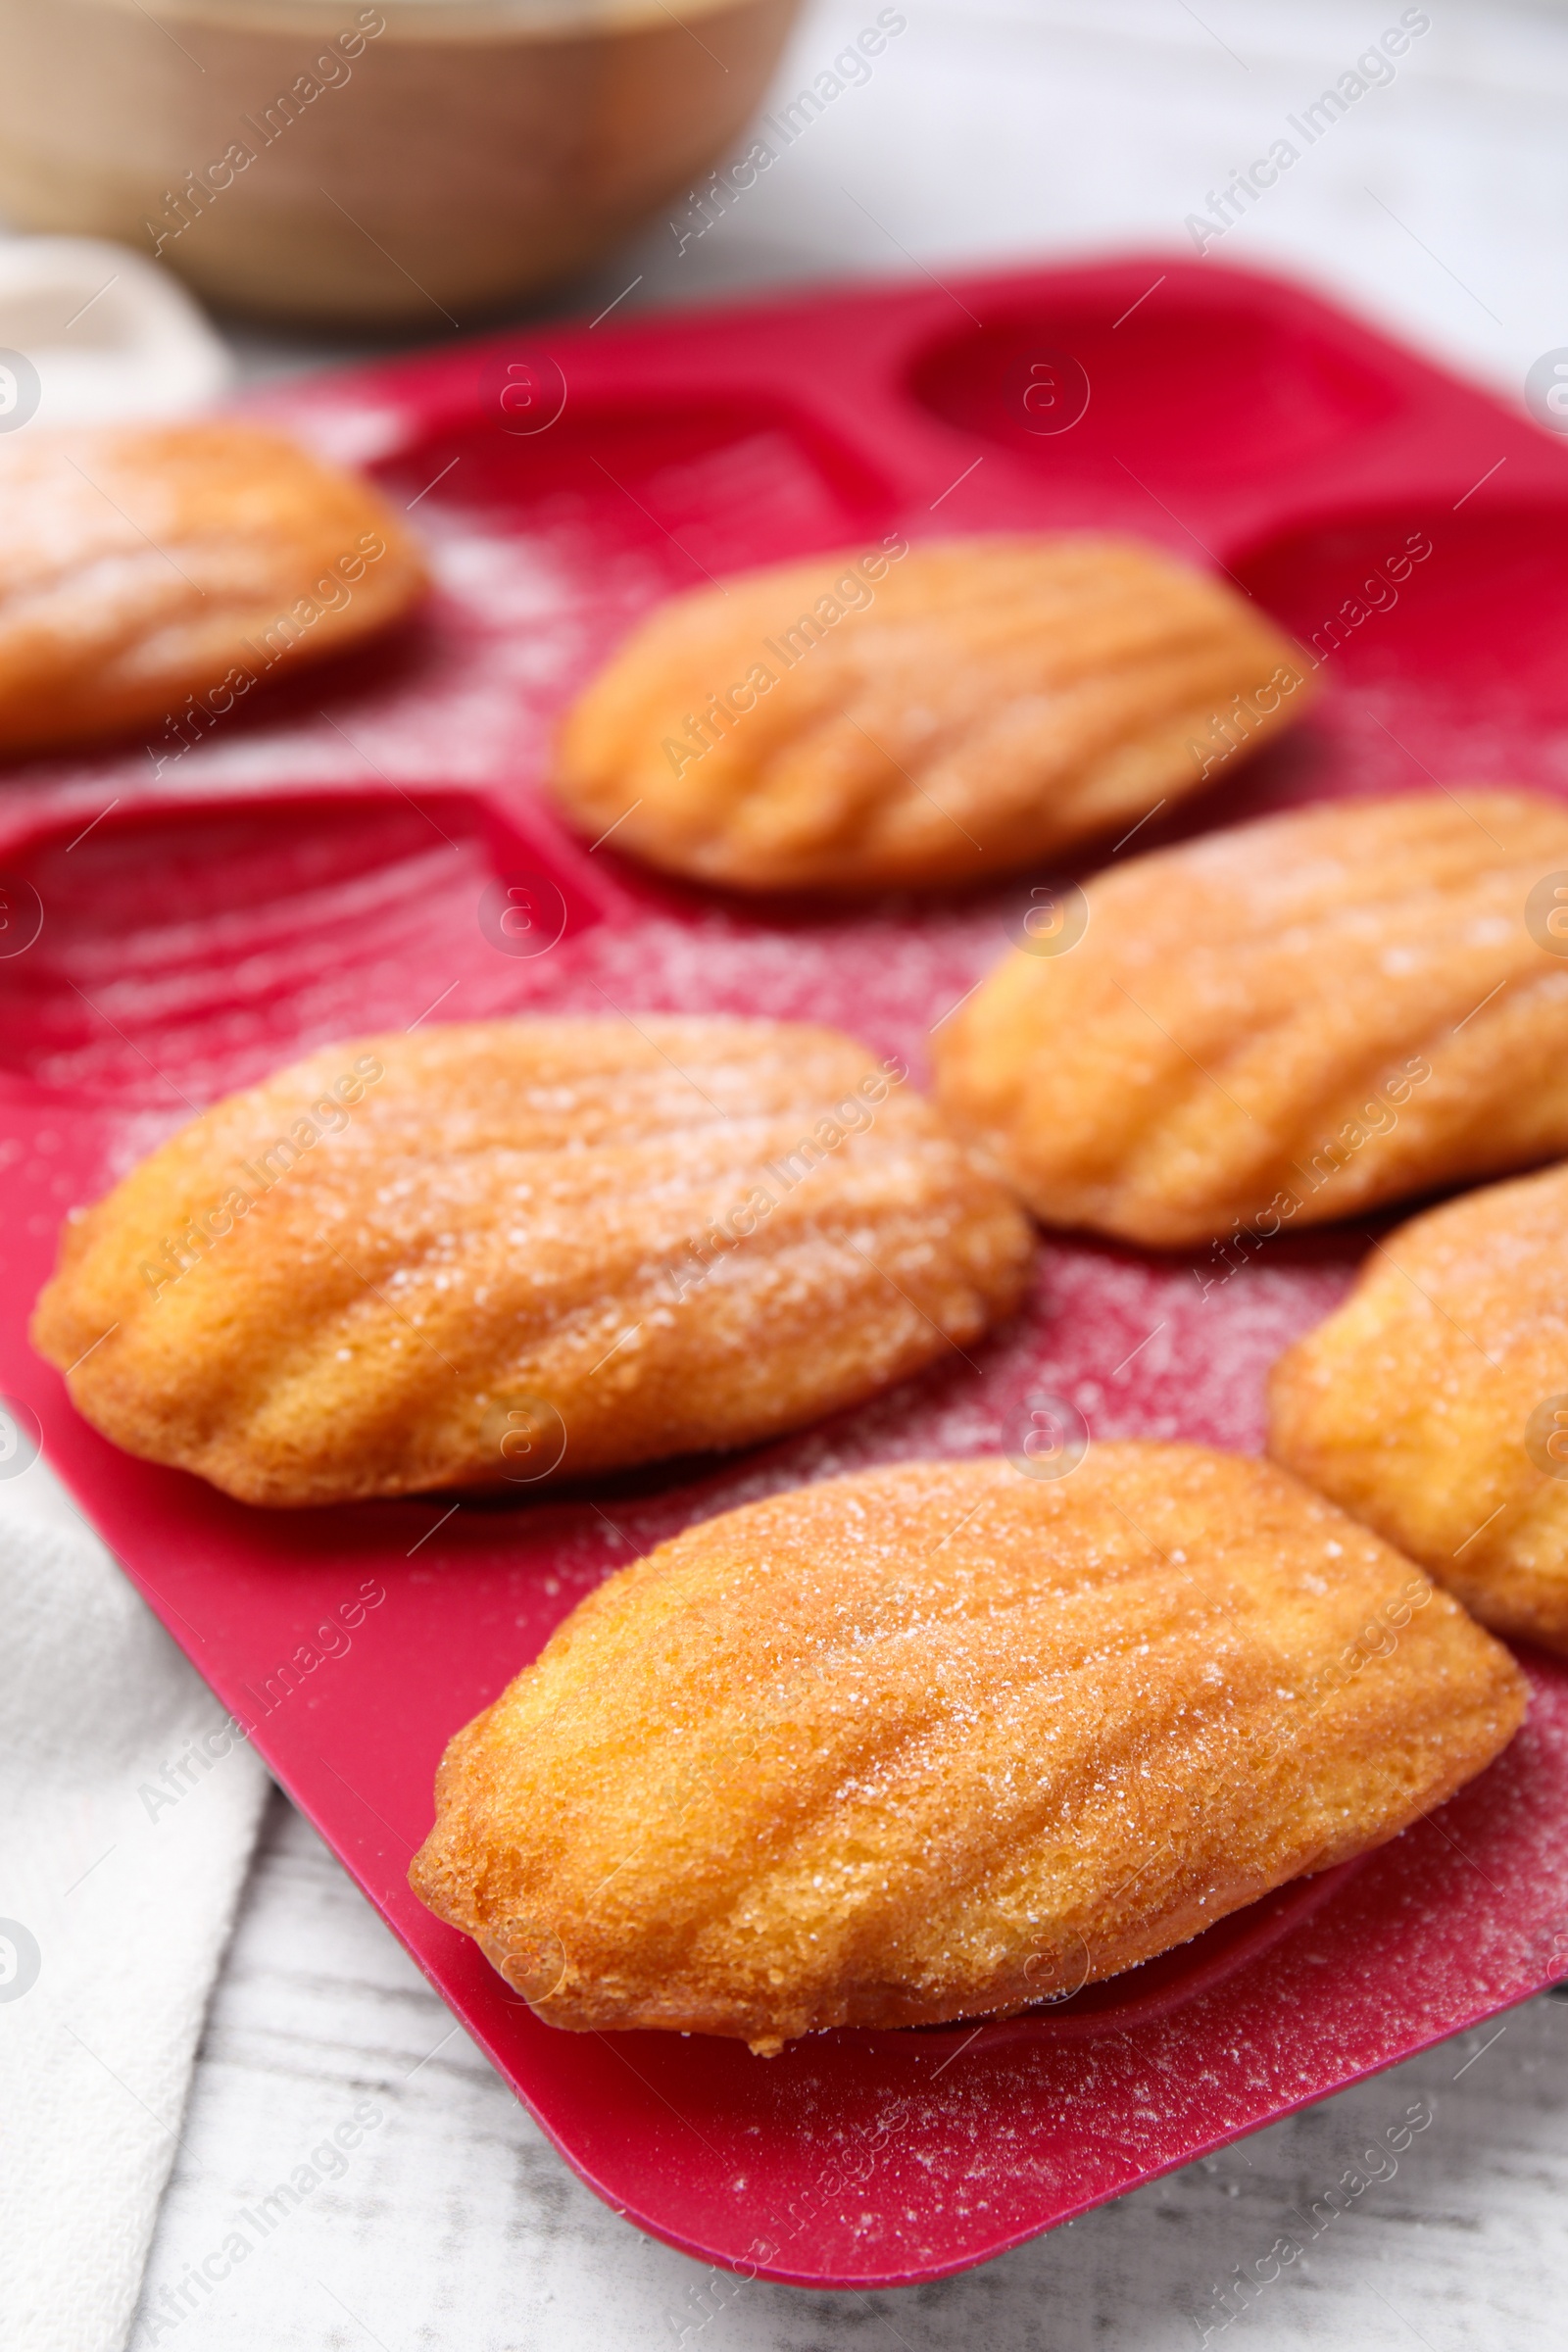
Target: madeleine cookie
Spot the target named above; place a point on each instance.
(153, 575)
(1282, 1023)
(1435, 1404)
(942, 1740)
(526, 1248)
(919, 716)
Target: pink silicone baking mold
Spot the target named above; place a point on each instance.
(368, 847)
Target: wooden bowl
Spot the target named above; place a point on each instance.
(382, 166)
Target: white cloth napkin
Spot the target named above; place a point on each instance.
(92, 332)
(121, 1857)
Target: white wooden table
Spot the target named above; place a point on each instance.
(1439, 204)
(455, 2227)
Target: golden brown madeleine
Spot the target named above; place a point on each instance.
(919, 716)
(1285, 1022)
(144, 565)
(942, 1740)
(526, 1248)
(1434, 1404)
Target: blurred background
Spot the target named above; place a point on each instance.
(423, 167)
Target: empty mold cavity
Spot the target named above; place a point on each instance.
(701, 488)
(1183, 386)
(1471, 606)
(183, 954)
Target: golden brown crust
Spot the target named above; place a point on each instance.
(1434, 1404)
(976, 704)
(933, 1741)
(1286, 1022)
(141, 565)
(523, 1247)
